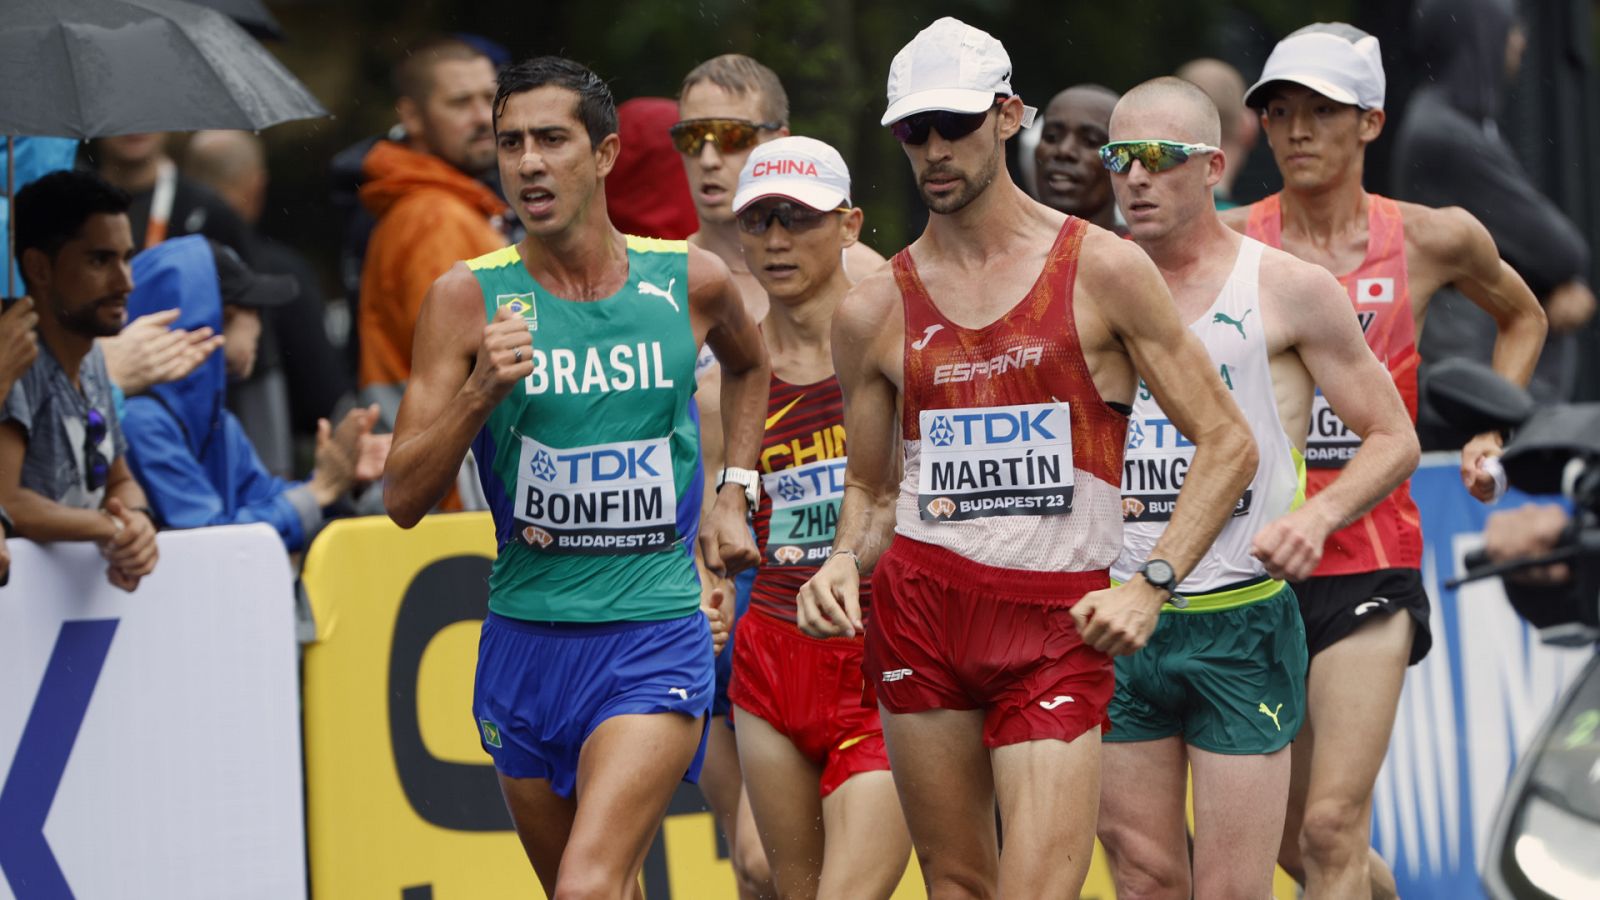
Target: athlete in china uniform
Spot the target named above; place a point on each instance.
(576, 401)
(1219, 692)
(1007, 334)
(1321, 98)
(812, 753)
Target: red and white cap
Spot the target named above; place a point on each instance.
(949, 66)
(1338, 61)
(801, 169)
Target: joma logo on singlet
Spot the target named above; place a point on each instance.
(628, 367)
(1013, 358)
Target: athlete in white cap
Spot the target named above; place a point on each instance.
(1008, 334)
(1220, 689)
(813, 757)
(1321, 99)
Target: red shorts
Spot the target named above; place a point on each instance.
(949, 633)
(810, 690)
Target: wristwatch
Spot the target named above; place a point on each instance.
(749, 479)
(1161, 575)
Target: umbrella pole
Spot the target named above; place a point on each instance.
(11, 215)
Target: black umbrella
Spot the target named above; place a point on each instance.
(252, 15)
(96, 68)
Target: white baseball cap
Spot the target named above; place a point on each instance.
(950, 66)
(1338, 61)
(801, 169)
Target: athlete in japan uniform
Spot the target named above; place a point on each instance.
(813, 756)
(1219, 691)
(575, 400)
(1321, 100)
(1007, 333)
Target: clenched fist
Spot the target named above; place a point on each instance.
(505, 356)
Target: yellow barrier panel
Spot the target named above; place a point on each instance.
(401, 802)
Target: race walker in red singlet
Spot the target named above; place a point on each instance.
(1009, 511)
(1378, 558)
(807, 688)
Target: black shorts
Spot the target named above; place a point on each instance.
(1334, 606)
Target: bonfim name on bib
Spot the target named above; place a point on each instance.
(603, 499)
(995, 461)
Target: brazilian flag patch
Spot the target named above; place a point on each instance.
(491, 732)
(521, 304)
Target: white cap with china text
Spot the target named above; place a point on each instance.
(1338, 61)
(949, 66)
(801, 169)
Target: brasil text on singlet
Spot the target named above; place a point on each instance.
(588, 463)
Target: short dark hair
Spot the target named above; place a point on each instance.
(741, 75)
(51, 211)
(413, 74)
(597, 109)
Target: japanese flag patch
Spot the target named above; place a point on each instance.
(1375, 290)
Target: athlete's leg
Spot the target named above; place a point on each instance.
(867, 842)
(543, 820)
(1352, 694)
(722, 784)
(1049, 794)
(946, 786)
(1238, 820)
(627, 772)
(1300, 754)
(1142, 817)
(750, 863)
(783, 797)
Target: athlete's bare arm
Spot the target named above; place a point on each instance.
(1308, 316)
(1126, 310)
(1452, 247)
(868, 330)
(716, 594)
(461, 367)
(717, 313)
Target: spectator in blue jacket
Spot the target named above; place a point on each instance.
(187, 449)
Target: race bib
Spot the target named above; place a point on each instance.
(607, 499)
(995, 461)
(805, 512)
(1154, 465)
(1331, 444)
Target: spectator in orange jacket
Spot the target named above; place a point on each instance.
(431, 207)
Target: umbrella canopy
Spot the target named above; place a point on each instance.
(95, 68)
(252, 15)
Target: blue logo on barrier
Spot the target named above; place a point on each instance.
(47, 738)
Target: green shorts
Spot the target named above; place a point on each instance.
(1230, 680)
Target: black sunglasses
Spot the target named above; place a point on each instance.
(794, 217)
(952, 126)
(96, 466)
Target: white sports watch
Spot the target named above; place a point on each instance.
(749, 479)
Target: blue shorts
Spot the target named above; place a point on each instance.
(742, 583)
(543, 688)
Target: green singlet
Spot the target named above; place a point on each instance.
(587, 461)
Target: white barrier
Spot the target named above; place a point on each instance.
(150, 742)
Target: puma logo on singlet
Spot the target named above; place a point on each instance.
(927, 335)
(646, 287)
(1271, 713)
(1225, 319)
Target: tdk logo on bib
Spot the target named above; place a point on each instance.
(602, 499)
(805, 512)
(995, 461)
